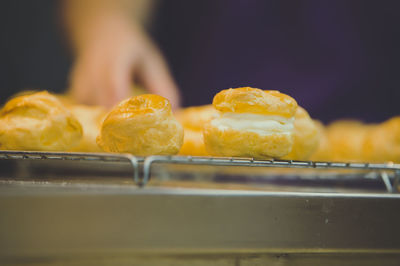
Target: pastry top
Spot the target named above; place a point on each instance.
(40, 105)
(196, 116)
(255, 101)
(37, 105)
(146, 104)
(301, 113)
(393, 125)
(38, 121)
(141, 125)
(142, 109)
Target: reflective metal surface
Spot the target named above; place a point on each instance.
(55, 220)
(57, 211)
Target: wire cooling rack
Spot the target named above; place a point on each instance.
(142, 166)
(75, 156)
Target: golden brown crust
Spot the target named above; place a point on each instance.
(38, 121)
(323, 152)
(354, 141)
(91, 118)
(306, 136)
(195, 117)
(255, 101)
(246, 144)
(141, 125)
(193, 143)
(346, 139)
(382, 144)
(228, 141)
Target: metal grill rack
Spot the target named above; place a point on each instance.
(230, 161)
(144, 164)
(75, 156)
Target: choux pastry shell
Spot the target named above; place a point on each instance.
(193, 120)
(346, 140)
(382, 144)
(141, 125)
(90, 117)
(252, 123)
(323, 151)
(306, 136)
(38, 121)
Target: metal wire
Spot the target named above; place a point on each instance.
(76, 156)
(234, 161)
(194, 160)
(386, 181)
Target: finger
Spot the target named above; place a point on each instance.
(79, 85)
(83, 80)
(114, 83)
(155, 77)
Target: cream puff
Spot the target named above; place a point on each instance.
(346, 139)
(251, 123)
(323, 151)
(141, 125)
(306, 136)
(382, 144)
(193, 119)
(38, 121)
(90, 117)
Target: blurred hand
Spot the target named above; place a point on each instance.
(113, 55)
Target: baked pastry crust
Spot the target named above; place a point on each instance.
(382, 144)
(255, 101)
(141, 125)
(246, 144)
(306, 136)
(195, 117)
(91, 118)
(346, 140)
(193, 120)
(323, 152)
(354, 141)
(38, 121)
(193, 143)
(230, 141)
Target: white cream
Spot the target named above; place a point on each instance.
(261, 124)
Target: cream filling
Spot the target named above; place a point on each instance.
(261, 124)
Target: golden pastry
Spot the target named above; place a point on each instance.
(38, 121)
(306, 136)
(323, 152)
(141, 125)
(252, 123)
(90, 117)
(193, 120)
(346, 139)
(193, 143)
(382, 143)
(196, 116)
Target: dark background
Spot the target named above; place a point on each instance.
(338, 59)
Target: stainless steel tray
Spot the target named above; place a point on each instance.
(87, 224)
(162, 210)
